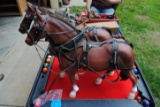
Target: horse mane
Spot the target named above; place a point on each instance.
(44, 10)
(61, 19)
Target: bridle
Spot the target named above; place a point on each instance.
(29, 19)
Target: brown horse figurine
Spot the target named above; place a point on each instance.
(94, 33)
(74, 50)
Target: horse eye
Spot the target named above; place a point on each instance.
(36, 31)
(29, 21)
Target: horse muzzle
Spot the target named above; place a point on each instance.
(22, 29)
(29, 41)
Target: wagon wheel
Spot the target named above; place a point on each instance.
(66, 2)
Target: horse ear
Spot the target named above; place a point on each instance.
(66, 10)
(30, 6)
(39, 15)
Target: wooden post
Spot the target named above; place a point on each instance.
(44, 3)
(22, 5)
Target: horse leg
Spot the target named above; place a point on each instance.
(111, 73)
(76, 76)
(62, 75)
(99, 80)
(71, 74)
(133, 78)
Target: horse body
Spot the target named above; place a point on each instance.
(70, 50)
(99, 57)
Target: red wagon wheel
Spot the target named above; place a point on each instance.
(66, 2)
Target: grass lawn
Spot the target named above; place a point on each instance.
(140, 24)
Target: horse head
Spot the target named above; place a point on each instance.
(37, 30)
(27, 19)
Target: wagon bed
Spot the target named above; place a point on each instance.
(42, 80)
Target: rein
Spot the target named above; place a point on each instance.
(59, 33)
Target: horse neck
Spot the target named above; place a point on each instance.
(55, 26)
(45, 11)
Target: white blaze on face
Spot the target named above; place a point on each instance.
(31, 26)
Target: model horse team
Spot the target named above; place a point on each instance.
(79, 48)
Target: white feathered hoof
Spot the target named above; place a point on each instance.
(62, 75)
(111, 73)
(98, 81)
(72, 94)
(131, 95)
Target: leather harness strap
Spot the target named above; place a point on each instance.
(115, 50)
(69, 45)
(94, 29)
(95, 34)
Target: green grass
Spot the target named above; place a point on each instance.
(140, 24)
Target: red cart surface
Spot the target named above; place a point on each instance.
(107, 94)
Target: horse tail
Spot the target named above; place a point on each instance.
(123, 76)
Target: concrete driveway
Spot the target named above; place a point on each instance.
(18, 62)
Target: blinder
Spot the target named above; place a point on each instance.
(27, 20)
(37, 32)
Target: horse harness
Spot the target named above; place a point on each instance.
(71, 45)
(94, 29)
(113, 64)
